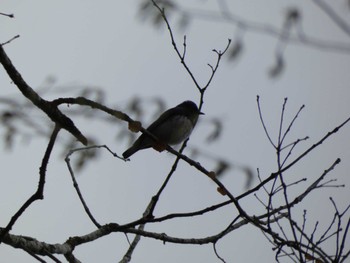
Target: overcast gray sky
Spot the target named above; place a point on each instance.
(106, 44)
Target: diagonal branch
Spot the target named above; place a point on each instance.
(333, 15)
(49, 108)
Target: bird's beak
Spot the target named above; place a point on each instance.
(201, 113)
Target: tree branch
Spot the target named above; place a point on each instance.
(38, 195)
(49, 108)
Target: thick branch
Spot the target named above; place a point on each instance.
(49, 108)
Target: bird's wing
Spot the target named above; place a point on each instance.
(165, 116)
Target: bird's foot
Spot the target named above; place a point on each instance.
(159, 146)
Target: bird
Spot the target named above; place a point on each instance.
(172, 127)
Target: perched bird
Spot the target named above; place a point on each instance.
(172, 127)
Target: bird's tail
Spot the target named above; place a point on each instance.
(133, 149)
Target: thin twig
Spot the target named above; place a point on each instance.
(39, 194)
(8, 15)
(75, 183)
(9, 41)
(300, 38)
(262, 121)
(217, 254)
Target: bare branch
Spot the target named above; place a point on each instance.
(8, 15)
(52, 112)
(9, 41)
(75, 183)
(263, 123)
(278, 32)
(333, 15)
(39, 194)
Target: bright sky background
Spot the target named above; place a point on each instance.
(106, 44)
